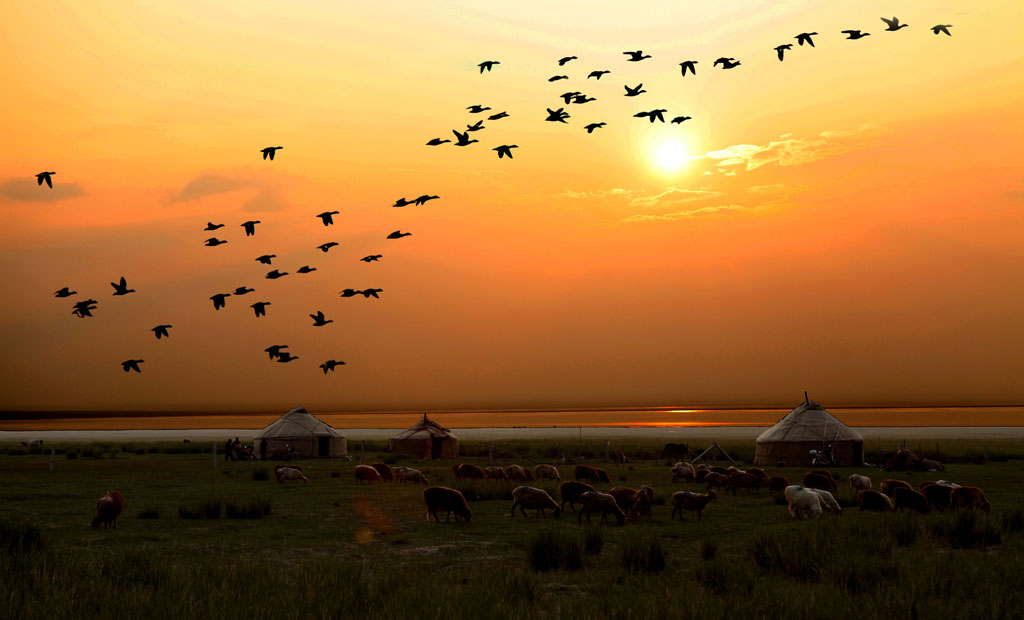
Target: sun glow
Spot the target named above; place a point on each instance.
(671, 155)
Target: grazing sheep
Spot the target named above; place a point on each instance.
(602, 502)
(277, 467)
(593, 474)
(969, 497)
(447, 500)
(757, 471)
(685, 500)
(939, 496)
(744, 481)
(860, 483)
(534, 499)
(290, 474)
(495, 473)
(777, 484)
(932, 465)
(701, 472)
(715, 479)
(405, 474)
(887, 486)
(544, 471)
(468, 471)
(570, 491)
(818, 480)
(684, 472)
(909, 498)
(367, 474)
(625, 497)
(875, 501)
(828, 502)
(824, 472)
(643, 502)
(803, 502)
(618, 456)
(108, 508)
(516, 472)
(386, 473)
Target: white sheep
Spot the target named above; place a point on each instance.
(801, 501)
(828, 502)
(535, 499)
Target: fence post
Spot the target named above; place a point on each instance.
(362, 449)
(215, 455)
(607, 444)
(53, 451)
(490, 452)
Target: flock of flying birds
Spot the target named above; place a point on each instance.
(84, 308)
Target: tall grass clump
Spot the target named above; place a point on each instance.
(253, 509)
(642, 554)
(707, 549)
(1013, 521)
(261, 474)
(149, 512)
(552, 549)
(19, 538)
(967, 529)
(905, 529)
(593, 540)
(210, 509)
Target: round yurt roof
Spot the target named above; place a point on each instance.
(423, 429)
(809, 422)
(297, 423)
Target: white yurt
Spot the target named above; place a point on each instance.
(307, 435)
(809, 427)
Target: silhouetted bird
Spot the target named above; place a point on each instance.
(129, 365)
(555, 78)
(269, 151)
(349, 292)
(567, 97)
(212, 226)
(558, 115)
(476, 109)
(318, 319)
(65, 292)
(633, 92)
(260, 308)
(855, 34)
(477, 126)
(636, 56)
(305, 269)
(583, 99)
(892, 25)
(592, 126)
(652, 115)
(275, 274)
(213, 242)
(219, 300)
(494, 117)
(328, 217)
(463, 138)
(679, 119)
(597, 74)
(250, 227)
(241, 290)
(371, 258)
(562, 61)
(437, 142)
(397, 235)
(330, 365)
(488, 64)
(727, 63)
(121, 288)
(505, 150)
(161, 331)
(284, 357)
(323, 247)
(84, 308)
(371, 292)
(401, 202)
(424, 199)
(45, 176)
(942, 28)
(275, 350)
(265, 259)
(805, 37)
(689, 65)
(781, 49)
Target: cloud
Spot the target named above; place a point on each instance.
(28, 190)
(767, 189)
(787, 151)
(208, 185)
(674, 195)
(266, 200)
(691, 213)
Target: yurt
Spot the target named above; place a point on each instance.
(809, 427)
(304, 433)
(426, 440)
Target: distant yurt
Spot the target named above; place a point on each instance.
(304, 433)
(809, 427)
(426, 440)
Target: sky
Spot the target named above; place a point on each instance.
(847, 221)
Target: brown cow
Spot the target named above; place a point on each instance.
(909, 498)
(468, 471)
(570, 491)
(108, 508)
(817, 480)
(969, 497)
(873, 500)
(593, 474)
(447, 500)
(887, 486)
(386, 473)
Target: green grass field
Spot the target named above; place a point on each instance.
(332, 548)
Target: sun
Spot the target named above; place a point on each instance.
(671, 155)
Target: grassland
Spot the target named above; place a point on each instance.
(333, 548)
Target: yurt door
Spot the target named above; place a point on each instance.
(323, 446)
(435, 447)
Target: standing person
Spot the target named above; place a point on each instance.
(236, 448)
(228, 450)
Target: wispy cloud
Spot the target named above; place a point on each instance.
(674, 195)
(209, 184)
(787, 151)
(687, 214)
(28, 190)
(266, 200)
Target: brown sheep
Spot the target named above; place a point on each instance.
(544, 471)
(684, 472)
(516, 472)
(386, 473)
(468, 471)
(534, 499)
(279, 467)
(939, 496)
(495, 473)
(602, 502)
(715, 479)
(824, 472)
(593, 474)
(625, 497)
(570, 491)
(415, 476)
(757, 471)
(701, 473)
(685, 500)
(887, 486)
(718, 469)
(817, 480)
(447, 500)
(744, 481)
(643, 502)
(108, 508)
(932, 465)
(904, 460)
(367, 474)
(860, 483)
(873, 500)
(909, 498)
(969, 497)
(777, 484)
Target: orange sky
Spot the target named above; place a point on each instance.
(848, 221)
